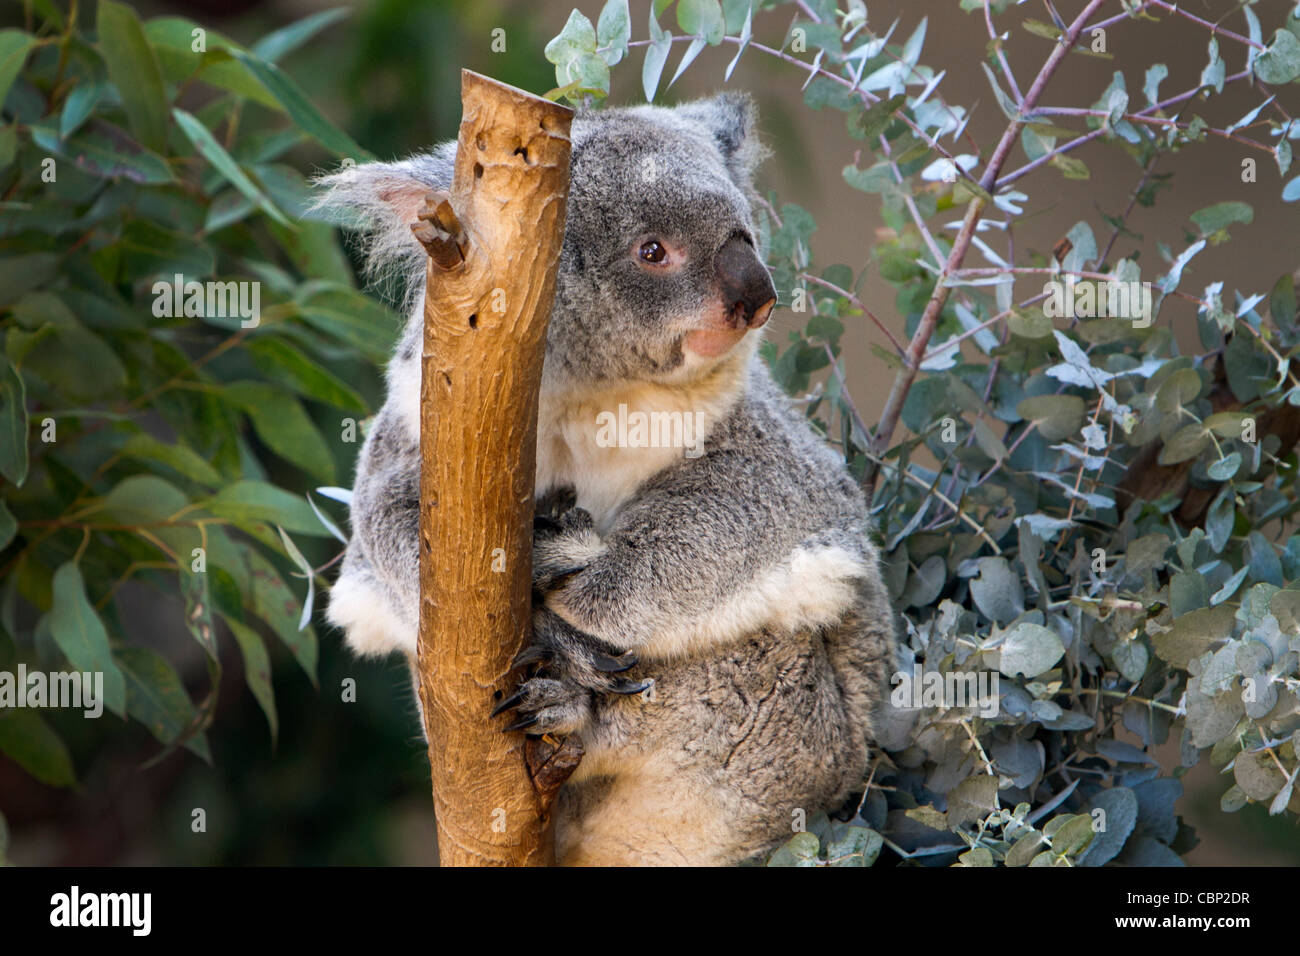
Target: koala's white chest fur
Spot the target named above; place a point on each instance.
(607, 442)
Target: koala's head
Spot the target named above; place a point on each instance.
(659, 278)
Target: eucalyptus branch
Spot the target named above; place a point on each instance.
(857, 304)
(930, 317)
(1212, 27)
(1149, 121)
(1088, 137)
(1122, 223)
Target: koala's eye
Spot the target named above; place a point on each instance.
(652, 251)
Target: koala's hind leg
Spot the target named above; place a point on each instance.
(364, 607)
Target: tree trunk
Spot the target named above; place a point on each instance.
(494, 244)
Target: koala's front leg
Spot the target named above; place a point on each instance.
(572, 668)
(668, 560)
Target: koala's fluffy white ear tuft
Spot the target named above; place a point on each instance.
(380, 201)
(732, 118)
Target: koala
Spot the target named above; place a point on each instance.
(710, 618)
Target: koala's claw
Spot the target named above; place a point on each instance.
(613, 665)
(514, 700)
(573, 667)
(629, 687)
(564, 541)
(555, 503)
(532, 654)
(548, 706)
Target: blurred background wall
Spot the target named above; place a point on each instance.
(349, 782)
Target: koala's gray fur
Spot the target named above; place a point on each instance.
(740, 581)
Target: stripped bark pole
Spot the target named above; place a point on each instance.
(494, 245)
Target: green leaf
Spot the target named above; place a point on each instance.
(1178, 390)
(300, 109)
(1213, 218)
(77, 361)
(578, 38)
(224, 163)
(1070, 167)
(1025, 849)
(853, 846)
(272, 601)
(972, 799)
(1040, 29)
(81, 102)
(656, 57)
(255, 502)
(1282, 304)
(1224, 468)
(693, 50)
(1187, 442)
(156, 698)
(143, 499)
(877, 118)
(304, 566)
(177, 457)
(13, 424)
(702, 18)
(150, 250)
(1193, 634)
(1280, 61)
(1029, 650)
(1073, 836)
(1005, 102)
(875, 179)
(8, 526)
(133, 69)
(198, 610)
(257, 671)
(1029, 324)
(30, 742)
(997, 591)
(613, 30)
(800, 850)
(80, 634)
(1057, 416)
(1257, 776)
(349, 316)
(281, 42)
(110, 157)
(14, 47)
(281, 362)
(284, 425)
(1188, 591)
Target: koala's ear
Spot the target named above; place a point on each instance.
(732, 119)
(374, 195)
(381, 201)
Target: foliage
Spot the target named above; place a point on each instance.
(1024, 540)
(1021, 542)
(158, 435)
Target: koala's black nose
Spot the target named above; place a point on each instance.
(747, 289)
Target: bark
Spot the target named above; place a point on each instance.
(494, 244)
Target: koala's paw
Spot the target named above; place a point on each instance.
(572, 667)
(564, 540)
